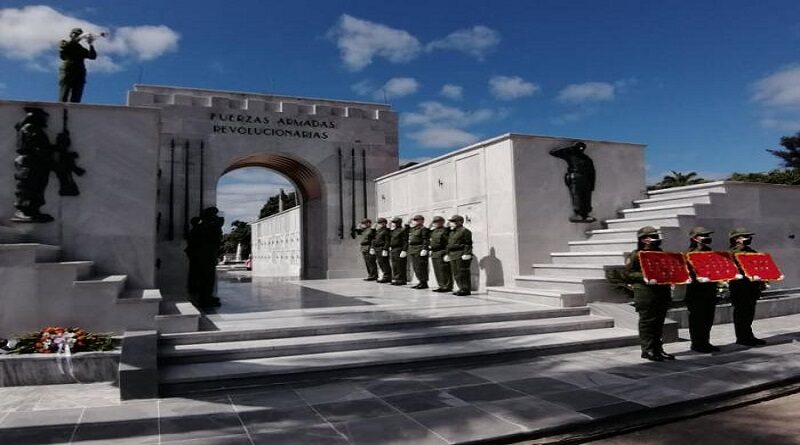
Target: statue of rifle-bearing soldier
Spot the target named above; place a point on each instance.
(37, 157)
(579, 178)
(72, 74)
(202, 248)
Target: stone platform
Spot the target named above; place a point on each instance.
(531, 398)
(269, 331)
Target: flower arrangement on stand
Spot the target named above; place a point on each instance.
(55, 340)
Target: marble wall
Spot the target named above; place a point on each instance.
(113, 220)
(276, 247)
(512, 195)
(243, 129)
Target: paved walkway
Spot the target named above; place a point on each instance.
(430, 407)
(768, 423)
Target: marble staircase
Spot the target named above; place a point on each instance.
(577, 276)
(40, 288)
(290, 347)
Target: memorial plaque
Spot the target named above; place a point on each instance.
(714, 266)
(664, 267)
(759, 264)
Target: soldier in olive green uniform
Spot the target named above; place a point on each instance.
(367, 251)
(398, 241)
(651, 300)
(701, 296)
(438, 246)
(744, 292)
(459, 254)
(418, 249)
(381, 246)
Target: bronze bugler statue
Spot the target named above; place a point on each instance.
(580, 179)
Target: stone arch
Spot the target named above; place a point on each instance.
(309, 184)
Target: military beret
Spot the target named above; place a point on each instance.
(418, 218)
(366, 221)
(699, 230)
(647, 231)
(457, 218)
(397, 220)
(381, 220)
(739, 231)
(438, 219)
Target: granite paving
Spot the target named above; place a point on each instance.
(431, 406)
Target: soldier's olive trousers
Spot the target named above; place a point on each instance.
(461, 272)
(652, 303)
(744, 297)
(372, 265)
(701, 301)
(444, 276)
(385, 265)
(399, 266)
(420, 265)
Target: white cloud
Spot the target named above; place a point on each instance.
(450, 91)
(443, 126)
(476, 41)
(511, 87)
(789, 124)
(437, 114)
(32, 33)
(779, 89)
(573, 116)
(360, 41)
(393, 88)
(241, 193)
(437, 137)
(587, 92)
(397, 87)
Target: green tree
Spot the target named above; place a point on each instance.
(272, 206)
(678, 179)
(790, 154)
(239, 235)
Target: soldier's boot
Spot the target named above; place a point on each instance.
(421, 285)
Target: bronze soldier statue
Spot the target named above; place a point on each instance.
(580, 180)
(33, 166)
(72, 74)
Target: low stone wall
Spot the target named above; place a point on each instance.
(51, 369)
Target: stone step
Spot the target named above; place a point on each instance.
(715, 187)
(10, 235)
(559, 284)
(538, 296)
(177, 316)
(28, 253)
(307, 326)
(109, 286)
(81, 269)
(610, 258)
(772, 293)
(614, 244)
(317, 344)
(597, 271)
(628, 233)
(217, 375)
(700, 197)
(657, 221)
(668, 210)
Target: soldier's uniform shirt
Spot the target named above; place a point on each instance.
(398, 241)
(370, 261)
(651, 302)
(381, 243)
(438, 249)
(459, 242)
(418, 240)
(701, 301)
(744, 297)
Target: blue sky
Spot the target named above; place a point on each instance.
(706, 85)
